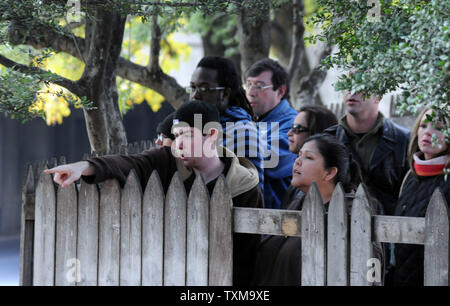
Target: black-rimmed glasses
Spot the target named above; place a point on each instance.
(298, 128)
(202, 89)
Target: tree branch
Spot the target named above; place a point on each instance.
(298, 46)
(254, 34)
(70, 85)
(155, 45)
(75, 24)
(158, 81)
(309, 85)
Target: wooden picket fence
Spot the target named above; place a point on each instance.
(104, 235)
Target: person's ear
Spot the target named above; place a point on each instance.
(213, 134)
(330, 174)
(281, 91)
(226, 93)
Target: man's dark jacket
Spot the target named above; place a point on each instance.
(240, 174)
(388, 164)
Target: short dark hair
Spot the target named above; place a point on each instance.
(165, 127)
(187, 111)
(336, 154)
(279, 75)
(227, 77)
(318, 118)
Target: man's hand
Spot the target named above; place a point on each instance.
(67, 174)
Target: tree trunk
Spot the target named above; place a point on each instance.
(100, 50)
(104, 124)
(218, 48)
(281, 33)
(253, 33)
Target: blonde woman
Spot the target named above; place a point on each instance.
(428, 156)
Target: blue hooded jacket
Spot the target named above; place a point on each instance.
(241, 137)
(278, 160)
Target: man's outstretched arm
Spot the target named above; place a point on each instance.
(67, 174)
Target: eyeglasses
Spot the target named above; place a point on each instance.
(255, 87)
(202, 89)
(298, 128)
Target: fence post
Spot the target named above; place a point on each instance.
(361, 238)
(87, 246)
(337, 240)
(220, 235)
(313, 239)
(45, 232)
(175, 233)
(130, 231)
(436, 265)
(197, 234)
(66, 236)
(27, 229)
(153, 232)
(109, 234)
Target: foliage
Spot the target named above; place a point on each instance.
(36, 91)
(135, 48)
(403, 46)
(35, 96)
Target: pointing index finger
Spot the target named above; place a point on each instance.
(49, 171)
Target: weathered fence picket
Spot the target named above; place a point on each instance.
(130, 232)
(338, 240)
(313, 239)
(109, 234)
(105, 235)
(87, 246)
(220, 236)
(44, 232)
(361, 238)
(197, 235)
(175, 234)
(437, 242)
(66, 236)
(27, 228)
(153, 232)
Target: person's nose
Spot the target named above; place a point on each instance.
(179, 144)
(289, 133)
(250, 91)
(428, 131)
(196, 95)
(298, 161)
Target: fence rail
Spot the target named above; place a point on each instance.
(104, 235)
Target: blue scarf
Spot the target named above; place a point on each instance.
(278, 161)
(241, 137)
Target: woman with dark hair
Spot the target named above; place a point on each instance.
(310, 120)
(428, 156)
(324, 160)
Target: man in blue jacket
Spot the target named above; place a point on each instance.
(267, 90)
